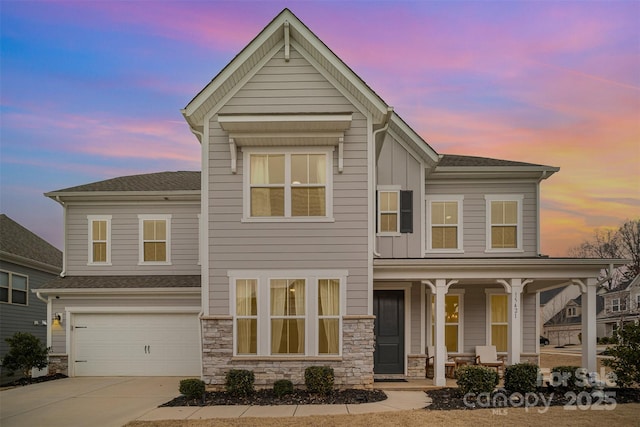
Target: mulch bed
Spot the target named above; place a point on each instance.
(452, 398)
(267, 397)
(26, 381)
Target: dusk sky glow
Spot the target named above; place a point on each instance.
(91, 90)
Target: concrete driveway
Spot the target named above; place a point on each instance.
(95, 401)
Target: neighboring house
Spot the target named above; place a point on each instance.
(621, 305)
(26, 263)
(554, 300)
(323, 230)
(565, 327)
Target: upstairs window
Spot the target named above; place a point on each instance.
(444, 216)
(615, 304)
(395, 210)
(504, 223)
(572, 312)
(14, 288)
(99, 239)
(292, 185)
(155, 239)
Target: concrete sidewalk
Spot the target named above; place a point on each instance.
(396, 401)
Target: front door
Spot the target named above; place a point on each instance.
(388, 307)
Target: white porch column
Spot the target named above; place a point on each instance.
(589, 323)
(440, 358)
(514, 340)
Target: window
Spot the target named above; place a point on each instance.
(328, 316)
(155, 239)
(453, 320)
(572, 312)
(388, 211)
(615, 304)
(99, 239)
(444, 216)
(297, 313)
(504, 223)
(292, 185)
(13, 288)
(638, 301)
(395, 210)
(499, 325)
(247, 316)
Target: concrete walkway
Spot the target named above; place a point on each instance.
(115, 401)
(396, 401)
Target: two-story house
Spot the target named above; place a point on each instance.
(322, 230)
(621, 306)
(26, 263)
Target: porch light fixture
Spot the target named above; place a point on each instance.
(57, 319)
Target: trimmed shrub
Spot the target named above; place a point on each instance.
(569, 378)
(476, 379)
(25, 353)
(626, 356)
(521, 378)
(282, 388)
(240, 382)
(319, 379)
(192, 388)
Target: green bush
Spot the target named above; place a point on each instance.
(319, 379)
(626, 356)
(282, 387)
(192, 388)
(476, 379)
(25, 353)
(239, 382)
(521, 378)
(569, 378)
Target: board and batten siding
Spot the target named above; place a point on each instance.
(397, 167)
(125, 235)
(289, 87)
(59, 305)
(475, 216)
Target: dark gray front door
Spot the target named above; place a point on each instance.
(388, 307)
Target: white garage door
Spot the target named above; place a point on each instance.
(136, 344)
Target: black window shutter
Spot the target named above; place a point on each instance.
(406, 211)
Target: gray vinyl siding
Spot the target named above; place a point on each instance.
(125, 243)
(474, 215)
(59, 305)
(474, 318)
(293, 87)
(396, 166)
(529, 311)
(20, 318)
(416, 330)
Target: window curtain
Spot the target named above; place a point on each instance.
(329, 305)
(246, 305)
(499, 326)
(296, 341)
(278, 304)
(260, 200)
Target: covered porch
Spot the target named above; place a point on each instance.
(451, 306)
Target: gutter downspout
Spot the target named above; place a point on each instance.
(63, 273)
(47, 302)
(387, 119)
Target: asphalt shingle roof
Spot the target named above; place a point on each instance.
(17, 240)
(159, 181)
(472, 161)
(123, 282)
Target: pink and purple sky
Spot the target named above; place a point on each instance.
(92, 90)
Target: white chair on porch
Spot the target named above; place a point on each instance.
(449, 364)
(487, 355)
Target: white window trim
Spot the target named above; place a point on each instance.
(443, 198)
(287, 151)
(388, 189)
(10, 289)
(615, 302)
(489, 293)
(90, 219)
(147, 217)
(430, 337)
(572, 312)
(519, 198)
(263, 278)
